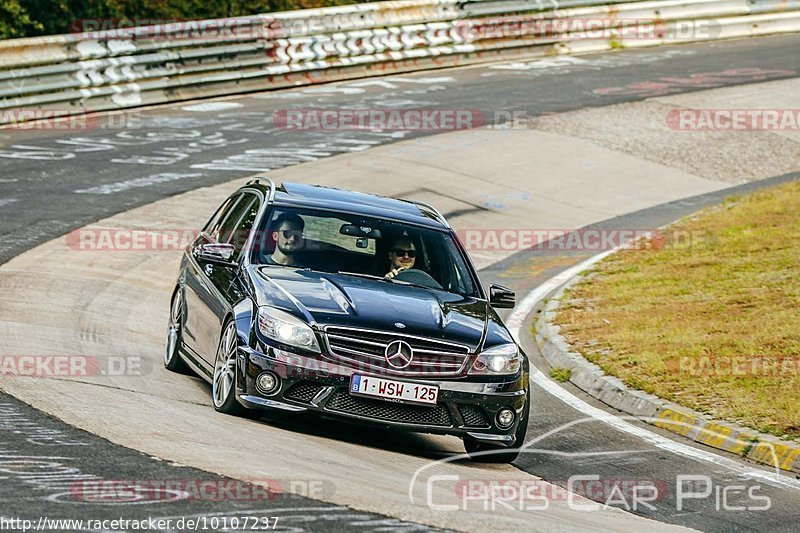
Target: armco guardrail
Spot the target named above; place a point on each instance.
(119, 68)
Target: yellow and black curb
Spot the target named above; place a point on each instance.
(757, 447)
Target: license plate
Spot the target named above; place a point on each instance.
(395, 391)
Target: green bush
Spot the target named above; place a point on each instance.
(28, 18)
(15, 21)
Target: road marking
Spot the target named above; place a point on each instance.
(5, 201)
(147, 181)
(277, 95)
(374, 83)
(568, 64)
(212, 106)
(425, 81)
(334, 89)
(548, 62)
(699, 80)
(266, 159)
(515, 322)
(39, 155)
(19, 424)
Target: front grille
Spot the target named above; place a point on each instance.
(303, 391)
(343, 402)
(473, 416)
(367, 349)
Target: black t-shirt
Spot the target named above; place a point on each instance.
(269, 260)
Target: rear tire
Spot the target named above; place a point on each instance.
(223, 388)
(493, 453)
(172, 357)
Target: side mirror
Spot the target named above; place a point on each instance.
(501, 297)
(220, 253)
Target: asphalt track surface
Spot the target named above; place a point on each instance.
(55, 181)
(53, 470)
(172, 150)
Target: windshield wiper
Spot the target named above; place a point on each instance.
(391, 280)
(418, 285)
(360, 275)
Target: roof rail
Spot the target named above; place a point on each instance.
(439, 216)
(272, 186)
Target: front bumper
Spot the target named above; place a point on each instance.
(465, 407)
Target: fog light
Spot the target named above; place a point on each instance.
(267, 383)
(505, 417)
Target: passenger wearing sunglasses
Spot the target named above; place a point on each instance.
(288, 237)
(402, 256)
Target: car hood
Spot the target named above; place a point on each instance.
(337, 299)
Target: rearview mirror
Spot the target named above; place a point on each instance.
(501, 297)
(360, 231)
(220, 253)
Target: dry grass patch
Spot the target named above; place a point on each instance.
(710, 322)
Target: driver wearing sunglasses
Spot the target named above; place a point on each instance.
(288, 237)
(402, 256)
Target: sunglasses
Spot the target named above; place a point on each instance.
(400, 253)
(289, 233)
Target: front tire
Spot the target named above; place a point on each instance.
(172, 357)
(223, 388)
(492, 453)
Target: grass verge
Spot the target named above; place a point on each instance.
(710, 320)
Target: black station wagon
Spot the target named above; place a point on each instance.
(303, 298)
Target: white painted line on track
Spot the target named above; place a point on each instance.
(208, 107)
(120, 186)
(515, 322)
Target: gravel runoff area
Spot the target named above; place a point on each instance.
(704, 315)
(647, 129)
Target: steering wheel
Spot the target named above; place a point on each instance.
(418, 277)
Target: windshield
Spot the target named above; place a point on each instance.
(362, 246)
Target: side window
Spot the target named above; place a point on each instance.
(245, 225)
(228, 224)
(461, 280)
(212, 226)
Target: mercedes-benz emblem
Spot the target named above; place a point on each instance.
(399, 354)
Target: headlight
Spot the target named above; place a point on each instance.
(502, 359)
(282, 327)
